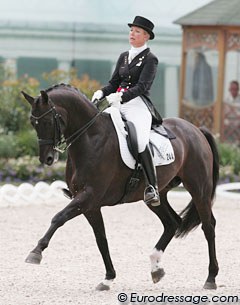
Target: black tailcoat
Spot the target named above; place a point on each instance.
(137, 77)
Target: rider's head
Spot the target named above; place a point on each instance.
(141, 30)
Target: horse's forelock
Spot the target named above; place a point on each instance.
(37, 100)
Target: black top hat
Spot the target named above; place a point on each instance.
(143, 23)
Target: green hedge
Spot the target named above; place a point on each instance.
(229, 162)
(15, 145)
(18, 141)
(17, 137)
(14, 109)
(29, 169)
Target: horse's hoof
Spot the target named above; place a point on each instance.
(102, 287)
(33, 258)
(157, 275)
(210, 285)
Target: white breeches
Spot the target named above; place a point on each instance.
(137, 112)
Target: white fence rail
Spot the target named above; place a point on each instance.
(26, 193)
(42, 192)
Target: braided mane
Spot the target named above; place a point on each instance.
(61, 85)
(67, 86)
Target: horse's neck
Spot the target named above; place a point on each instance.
(100, 126)
(95, 137)
(78, 114)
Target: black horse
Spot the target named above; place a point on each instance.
(96, 175)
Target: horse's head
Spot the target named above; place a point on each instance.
(47, 123)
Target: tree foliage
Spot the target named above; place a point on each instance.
(14, 110)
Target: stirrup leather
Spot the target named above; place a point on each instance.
(151, 196)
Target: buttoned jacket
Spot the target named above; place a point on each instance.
(136, 77)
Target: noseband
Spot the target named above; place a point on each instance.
(59, 142)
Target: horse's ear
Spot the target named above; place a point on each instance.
(44, 96)
(29, 98)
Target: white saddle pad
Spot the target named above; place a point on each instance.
(162, 147)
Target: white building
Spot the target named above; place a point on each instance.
(36, 46)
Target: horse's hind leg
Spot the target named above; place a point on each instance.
(199, 211)
(202, 205)
(208, 227)
(70, 211)
(171, 222)
(96, 221)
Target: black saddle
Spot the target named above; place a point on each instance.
(132, 136)
(131, 139)
(164, 131)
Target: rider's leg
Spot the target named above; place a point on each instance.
(151, 195)
(137, 112)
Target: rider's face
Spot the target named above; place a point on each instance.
(137, 36)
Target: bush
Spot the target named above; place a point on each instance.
(29, 169)
(26, 143)
(17, 137)
(18, 140)
(229, 162)
(13, 108)
(7, 146)
(86, 85)
(19, 144)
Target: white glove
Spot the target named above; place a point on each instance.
(97, 95)
(115, 99)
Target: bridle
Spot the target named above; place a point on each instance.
(59, 142)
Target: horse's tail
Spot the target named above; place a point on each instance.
(190, 220)
(190, 216)
(213, 145)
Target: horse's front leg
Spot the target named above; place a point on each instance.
(73, 209)
(96, 221)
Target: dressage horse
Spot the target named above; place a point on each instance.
(96, 175)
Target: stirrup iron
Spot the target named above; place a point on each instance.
(151, 196)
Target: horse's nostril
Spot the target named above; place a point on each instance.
(49, 160)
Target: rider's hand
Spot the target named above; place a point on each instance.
(115, 99)
(97, 95)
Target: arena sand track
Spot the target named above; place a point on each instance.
(72, 267)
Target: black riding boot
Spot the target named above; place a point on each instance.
(151, 195)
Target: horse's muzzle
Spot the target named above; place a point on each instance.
(47, 159)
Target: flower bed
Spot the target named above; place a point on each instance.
(29, 169)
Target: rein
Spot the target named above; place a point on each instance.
(77, 134)
(60, 143)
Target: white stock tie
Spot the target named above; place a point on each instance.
(133, 52)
